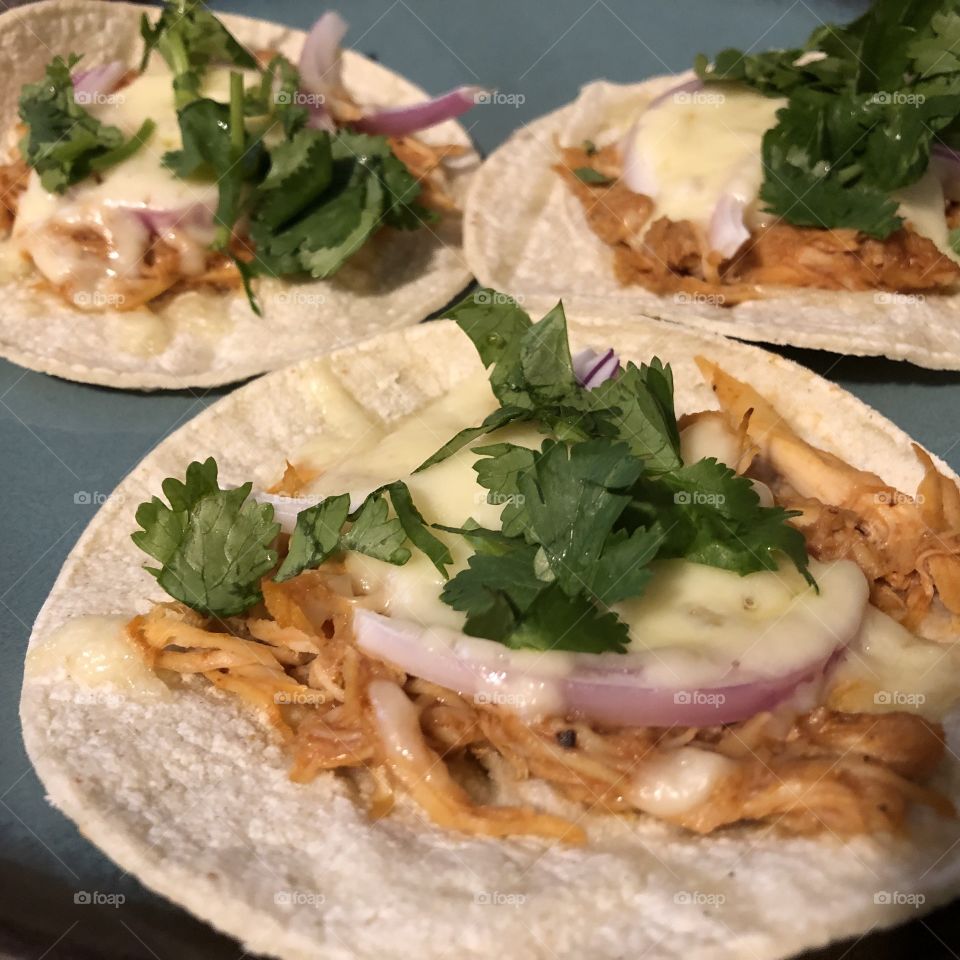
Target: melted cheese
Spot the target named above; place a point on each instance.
(95, 652)
(446, 493)
(890, 669)
(922, 206)
(694, 622)
(692, 625)
(108, 203)
(675, 781)
(699, 146)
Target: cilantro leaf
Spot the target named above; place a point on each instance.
(375, 534)
(319, 228)
(213, 545)
(279, 96)
(556, 621)
(65, 143)
(190, 38)
(415, 527)
(494, 421)
(861, 117)
(315, 537)
(591, 176)
(495, 590)
(216, 146)
(300, 170)
(710, 515)
(638, 405)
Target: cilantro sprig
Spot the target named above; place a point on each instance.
(864, 107)
(584, 517)
(294, 199)
(190, 38)
(215, 545)
(606, 494)
(64, 142)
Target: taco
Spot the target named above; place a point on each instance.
(808, 196)
(650, 657)
(189, 200)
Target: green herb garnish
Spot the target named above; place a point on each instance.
(213, 545)
(64, 142)
(591, 176)
(860, 120)
(190, 38)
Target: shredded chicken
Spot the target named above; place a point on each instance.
(162, 271)
(908, 546)
(13, 181)
(668, 256)
(294, 659)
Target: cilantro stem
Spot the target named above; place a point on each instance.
(237, 131)
(238, 142)
(126, 149)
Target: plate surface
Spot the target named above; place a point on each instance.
(65, 446)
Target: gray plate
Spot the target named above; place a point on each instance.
(64, 446)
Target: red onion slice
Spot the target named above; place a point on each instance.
(487, 671)
(400, 121)
(727, 231)
(638, 173)
(945, 163)
(159, 219)
(97, 81)
(320, 57)
(592, 368)
(687, 86)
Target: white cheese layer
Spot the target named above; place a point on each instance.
(692, 626)
(890, 669)
(95, 652)
(108, 203)
(699, 146)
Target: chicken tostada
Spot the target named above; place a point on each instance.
(807, 196)
(189, 200)
(644, 655)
